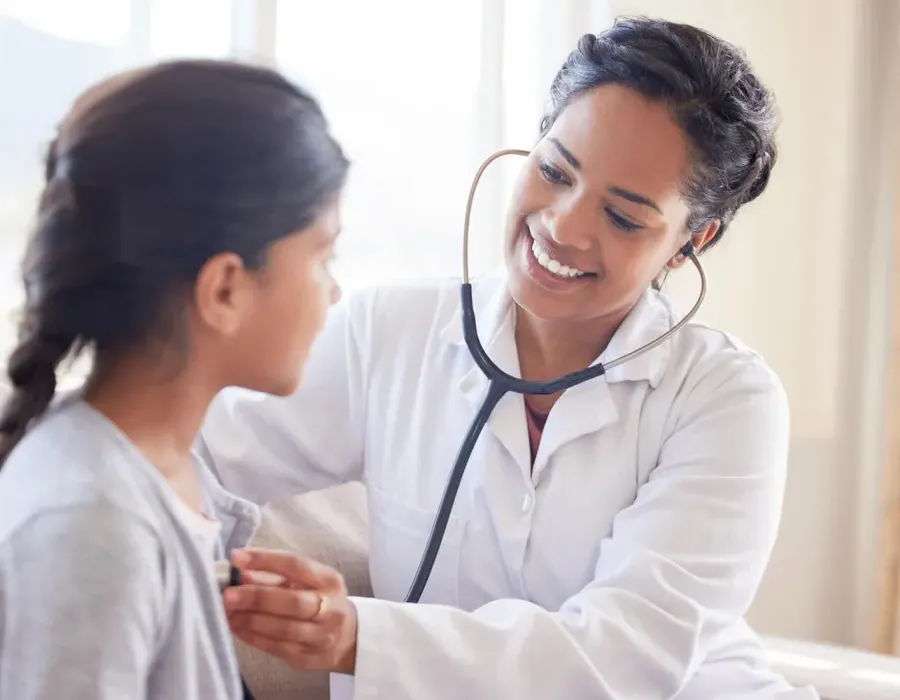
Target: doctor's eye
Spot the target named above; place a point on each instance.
(552, 174)
(621, 222)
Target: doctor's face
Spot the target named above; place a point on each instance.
(597, 211)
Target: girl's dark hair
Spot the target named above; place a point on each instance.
(712, 93)
(151, 174)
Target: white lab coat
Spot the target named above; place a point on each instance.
(619, 567)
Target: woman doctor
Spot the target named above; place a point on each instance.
(605, 543)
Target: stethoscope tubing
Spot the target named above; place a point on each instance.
(501, 383)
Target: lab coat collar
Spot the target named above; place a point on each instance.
(584, 409)
(651, 316)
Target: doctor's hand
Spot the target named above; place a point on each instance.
(294, 608)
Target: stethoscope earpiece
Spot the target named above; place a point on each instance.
(686, 252)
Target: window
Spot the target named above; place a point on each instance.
(400, 86)
(51, 52)
(418, 93)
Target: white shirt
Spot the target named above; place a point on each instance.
(620, 567)
(203, 529)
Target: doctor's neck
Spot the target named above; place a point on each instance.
(549, 348)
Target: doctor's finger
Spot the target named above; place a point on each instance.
(297, 655)
(284, 602)
(277, 629)
(293, 567)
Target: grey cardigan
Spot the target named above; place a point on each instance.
(103, 591)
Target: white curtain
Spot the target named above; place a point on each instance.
(882, 205)
(418, 92)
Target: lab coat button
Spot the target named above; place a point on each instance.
(526, 503)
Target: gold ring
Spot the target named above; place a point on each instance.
(321, 608)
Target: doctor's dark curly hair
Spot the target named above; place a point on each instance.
(151, 174)
(712, 93)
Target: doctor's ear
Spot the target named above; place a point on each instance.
(700, 240)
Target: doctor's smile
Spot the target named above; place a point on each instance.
(549, 264)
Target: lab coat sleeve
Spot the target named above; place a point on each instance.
(683, 564)
(265, 447)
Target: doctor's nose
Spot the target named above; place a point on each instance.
(570, 227)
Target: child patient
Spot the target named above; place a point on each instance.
(183, 239)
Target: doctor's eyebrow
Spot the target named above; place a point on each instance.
(565, 153)
(633, 197)
(612, 189)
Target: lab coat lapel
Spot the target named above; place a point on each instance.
(583, 409)
(590, 407)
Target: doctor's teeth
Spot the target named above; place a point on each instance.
(554, 266)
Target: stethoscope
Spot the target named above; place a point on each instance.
(501, 383)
